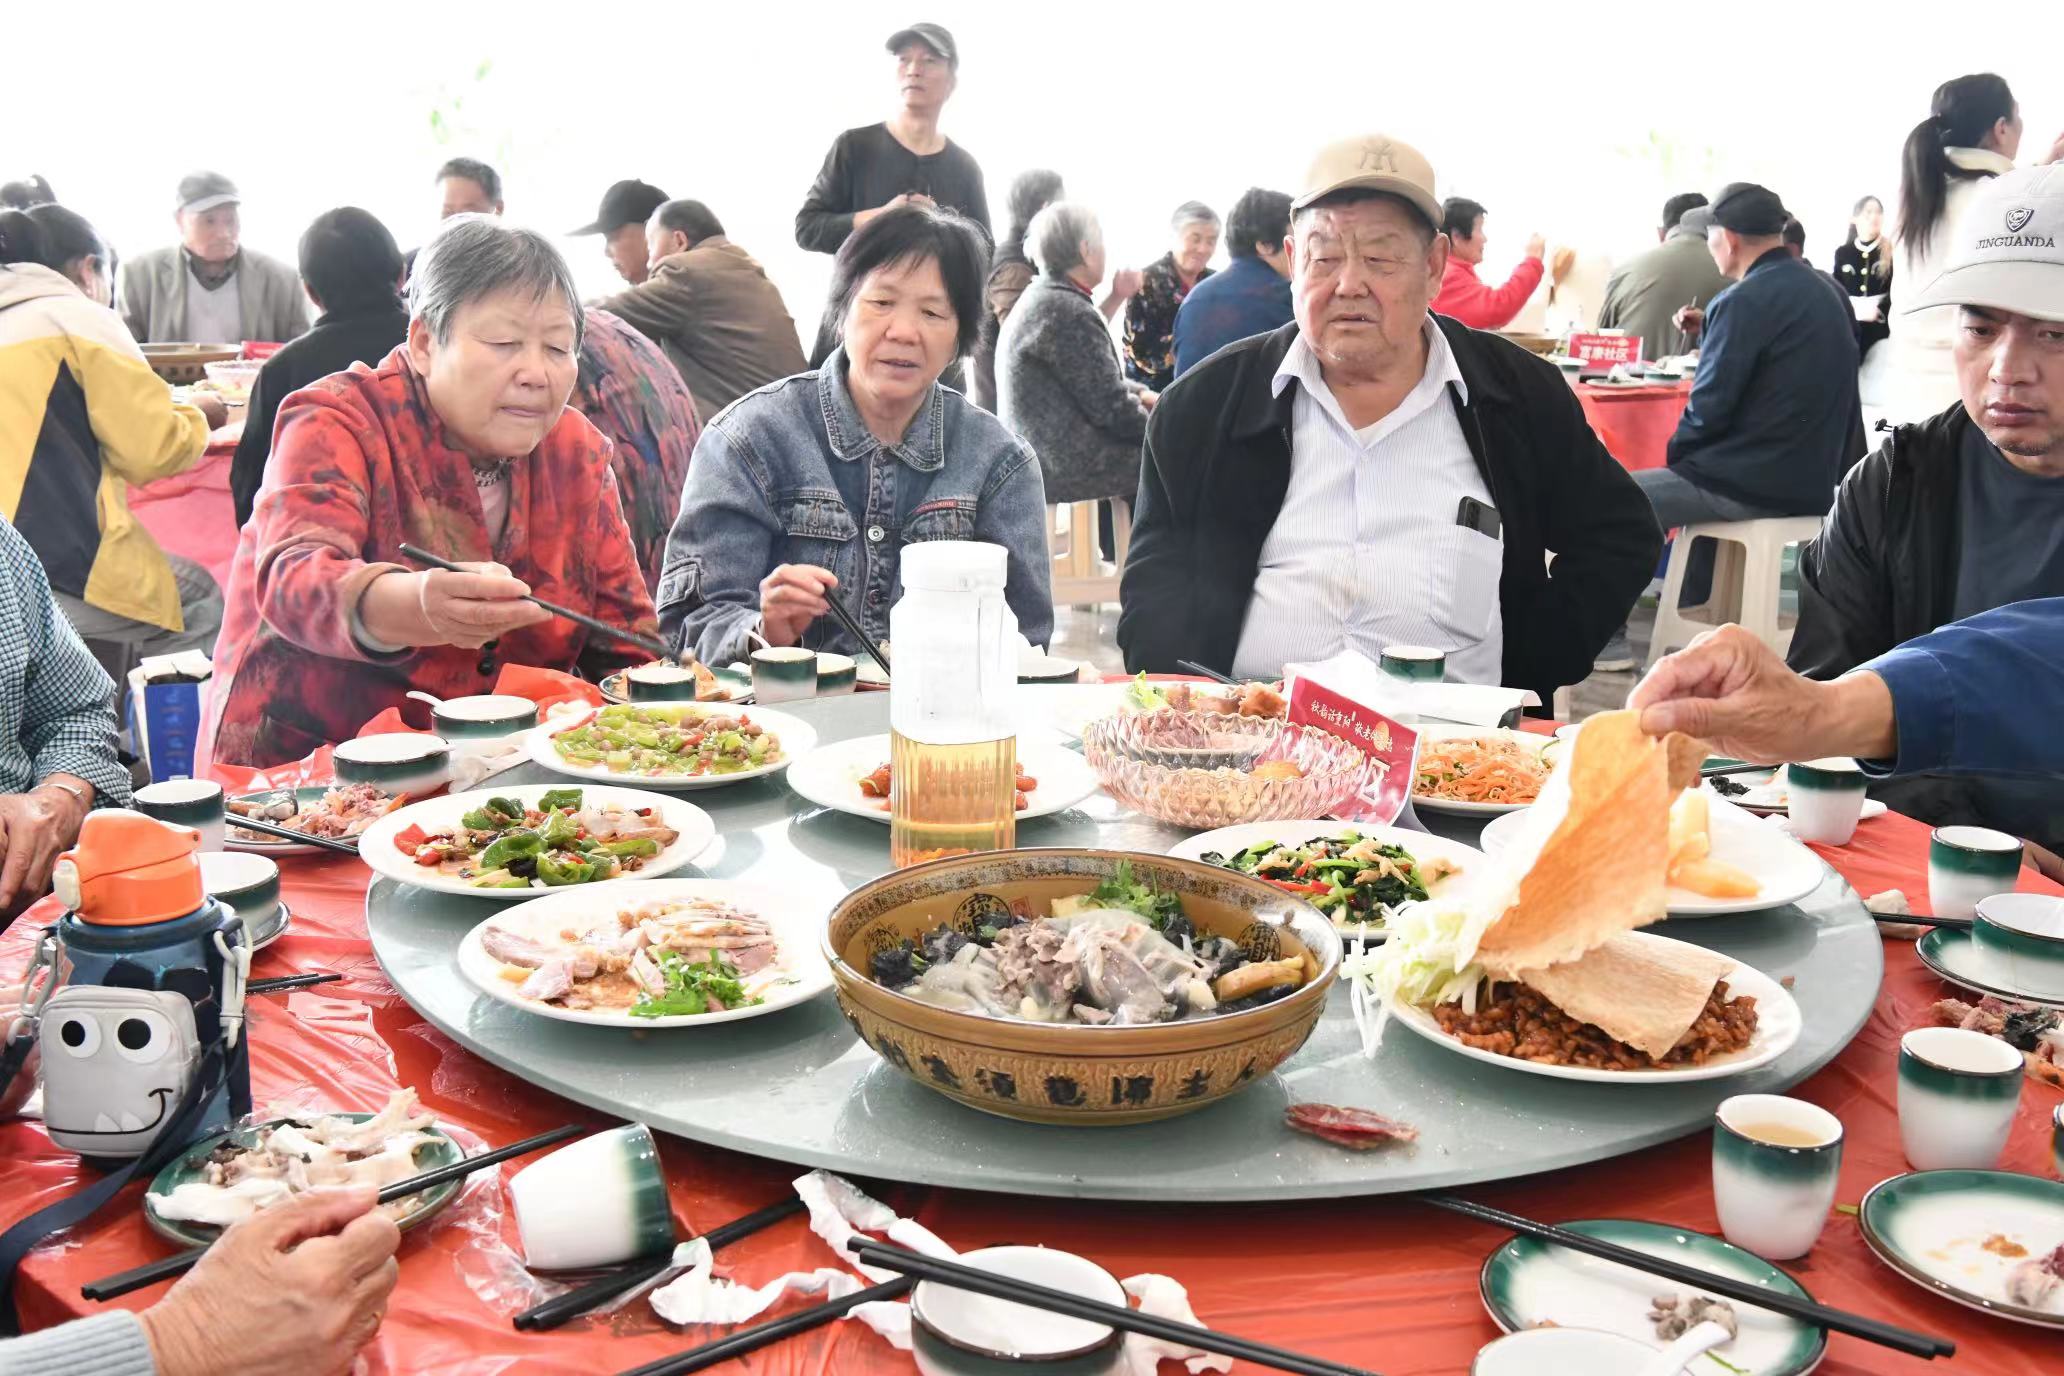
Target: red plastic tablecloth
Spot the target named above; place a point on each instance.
(1378, 1282)
(1635, 423)
(192, 514)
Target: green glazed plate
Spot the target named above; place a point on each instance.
(1947, 951)
(192, 1163)
(1527, 1283)
(1932, 1226)
(266, 845)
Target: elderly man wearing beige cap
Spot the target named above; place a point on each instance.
(1371, 474)
(1962, 512)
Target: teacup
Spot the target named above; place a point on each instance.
(661, 682)
(1966, 864)
(484, 716)
(1825, 798)
(1417, 663)
(836, 674)
(783, 674)
(248, 883)
(396, 762)
(1554, 1351)
(960, 1333)
(1775, 1164)
(1958, 1092)
(2017, 943)
(194, 803)
(600, 1201)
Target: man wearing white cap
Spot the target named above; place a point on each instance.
(1371, 474)
(208, 288)
(1962, 512)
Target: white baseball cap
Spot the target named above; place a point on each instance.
(2007, 253)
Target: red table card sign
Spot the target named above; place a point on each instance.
(1388, 742)
(1605, 348)
(258, 350)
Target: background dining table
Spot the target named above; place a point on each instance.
(1380, 1282)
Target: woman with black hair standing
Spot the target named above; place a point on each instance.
(1863, 266)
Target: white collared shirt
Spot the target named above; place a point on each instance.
(1366, 551)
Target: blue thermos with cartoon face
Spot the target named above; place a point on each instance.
(147, 993)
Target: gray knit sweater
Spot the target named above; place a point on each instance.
(1059, 386)
(103, 1345)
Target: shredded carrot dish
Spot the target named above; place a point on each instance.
(1479, 769)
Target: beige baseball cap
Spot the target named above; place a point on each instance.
(1376, 162)
(2005, 254)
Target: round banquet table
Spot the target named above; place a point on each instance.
(1380, 1282)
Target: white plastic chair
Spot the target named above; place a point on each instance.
(1081, 578)
(1746, 574)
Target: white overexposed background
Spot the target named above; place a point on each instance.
(1573, 119)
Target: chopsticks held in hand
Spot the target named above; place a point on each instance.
(1740, 1291)
(1722, 770)
(122, 1282)
(264, 828)
(1204, 671)
(846, 619)
(571, 1305)
(644, 642)
(773, 1331)
(960, 1276)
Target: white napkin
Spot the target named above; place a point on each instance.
(1360, 679)
(1471, 704)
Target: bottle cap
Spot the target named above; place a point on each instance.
(955, 566)
(129, 869)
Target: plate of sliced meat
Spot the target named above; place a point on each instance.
(651, 953)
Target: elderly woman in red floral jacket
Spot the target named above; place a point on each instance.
(460, 443)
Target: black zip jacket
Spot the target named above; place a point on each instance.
(1217, 466)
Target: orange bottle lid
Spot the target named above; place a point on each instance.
(129, 869)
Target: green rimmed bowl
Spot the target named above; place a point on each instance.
(600, 1201)
(1931, 1227)
(191, 1165)
(735, 685)
(1526, 1283)
(1958, 1093)
(395, 762)
(2017, 940)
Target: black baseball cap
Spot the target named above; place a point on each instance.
(1743, 207)
(626, 203)
(933, 36)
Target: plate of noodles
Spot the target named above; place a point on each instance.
(1476, 770)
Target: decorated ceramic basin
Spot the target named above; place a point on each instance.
(1072, 1073)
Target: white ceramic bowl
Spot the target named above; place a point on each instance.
(597, 1202)
(397, 762)
(2018, 939)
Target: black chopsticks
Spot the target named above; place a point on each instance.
(1741, 1292)
(1214, 675)
(1955, 924)
(644, 642)
(1720, 771)
(846, 619)
(286, 982)
(773, 1331)
(289, 834)
(122, 1282)
(963, 1277)
(571, 1305)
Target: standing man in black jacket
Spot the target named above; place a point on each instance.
(1372, 474)
(1963, 512)
(353, 271)
(902, 160)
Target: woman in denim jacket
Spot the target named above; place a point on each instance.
(814, 484)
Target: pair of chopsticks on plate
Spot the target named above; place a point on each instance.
(278, 832)
(915, 1267)
(122, 1282)
(645, 642)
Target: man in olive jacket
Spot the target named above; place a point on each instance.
(1372, 474)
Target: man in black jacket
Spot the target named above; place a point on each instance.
(1371, 474)
(353, 271)
(1963, 512)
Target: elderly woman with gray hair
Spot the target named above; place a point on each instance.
(459, 442)
(1057, 375)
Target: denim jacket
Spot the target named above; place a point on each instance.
(790, 474)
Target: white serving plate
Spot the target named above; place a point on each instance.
(830, 775)
(1787, 870)
(1442, 731)
(796, 736)
(1777, 1027)
(1422, 846)
(795, 920)
(1071, 707)
(377, 848)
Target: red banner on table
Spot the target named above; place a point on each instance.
(1605, 348)
(1390, 743)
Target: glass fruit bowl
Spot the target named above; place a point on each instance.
(1205, 770)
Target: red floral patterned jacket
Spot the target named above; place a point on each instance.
(360, 465)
